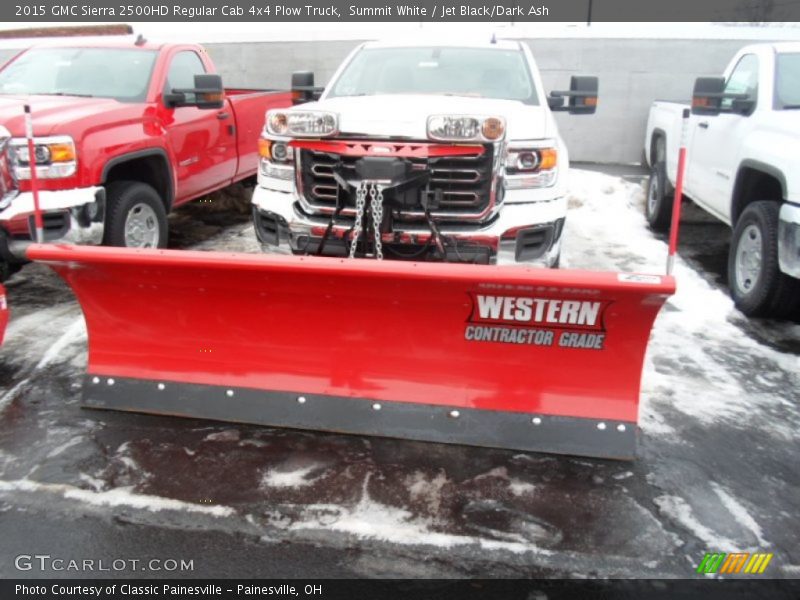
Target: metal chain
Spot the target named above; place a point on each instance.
(361, 204)
(376, 205)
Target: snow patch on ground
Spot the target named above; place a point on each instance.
(43, 321)
(255, 443)
(65, 446)
(229, 435)
(422, 488)
(97, 484)
(6, 398)
(516, 486)
(76, 332)
(520, 488)
(497, 472)
(740, 513)
(373, 520)
(290, 479)
(114, 498)
(792, 570)
(676, 509)
(132, 469)
(687, 365)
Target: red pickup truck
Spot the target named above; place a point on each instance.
(124, 132)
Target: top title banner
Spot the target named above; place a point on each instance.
(419, 10)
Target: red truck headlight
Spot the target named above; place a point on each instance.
(55, 157)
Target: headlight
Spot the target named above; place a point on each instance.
(465, 128)
(528, 160)
(55, 157)
(531, 167)
(282, 152)
(301, 123)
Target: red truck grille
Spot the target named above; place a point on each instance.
(465, 180)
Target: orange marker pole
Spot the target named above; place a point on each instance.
(676, 202)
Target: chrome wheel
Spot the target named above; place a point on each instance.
(141, 227)
(749, 258)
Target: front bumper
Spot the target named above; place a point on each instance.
(789, 239)
(528, 233)
(74, 216)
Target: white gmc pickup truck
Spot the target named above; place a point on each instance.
(421, 151)
(743, 167)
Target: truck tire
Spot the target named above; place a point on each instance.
(658, 204)
(758, 287)
(135, 217)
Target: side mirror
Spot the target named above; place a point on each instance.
(708, 94)
(207, 93)
(582, 96)
(303, 89)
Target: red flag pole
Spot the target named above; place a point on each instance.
(676, 202)
(37, 211)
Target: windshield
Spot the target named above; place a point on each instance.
(787, 81)
(116, 73)
(477, 72)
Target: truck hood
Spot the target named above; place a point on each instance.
(49, 112)
(404, 115)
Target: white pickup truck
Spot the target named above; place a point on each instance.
(743, 167)
(421, 151)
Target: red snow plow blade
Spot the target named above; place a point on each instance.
(508, 357)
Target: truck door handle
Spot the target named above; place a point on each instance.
(703, 124)
(223, 115)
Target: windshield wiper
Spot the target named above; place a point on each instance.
(67, 94)
(4, 93)
(790, 106)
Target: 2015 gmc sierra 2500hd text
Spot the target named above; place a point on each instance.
(123, 133)
(432, 151)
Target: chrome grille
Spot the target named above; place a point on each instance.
(465, 181)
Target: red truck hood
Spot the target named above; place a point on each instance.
(50, 112)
